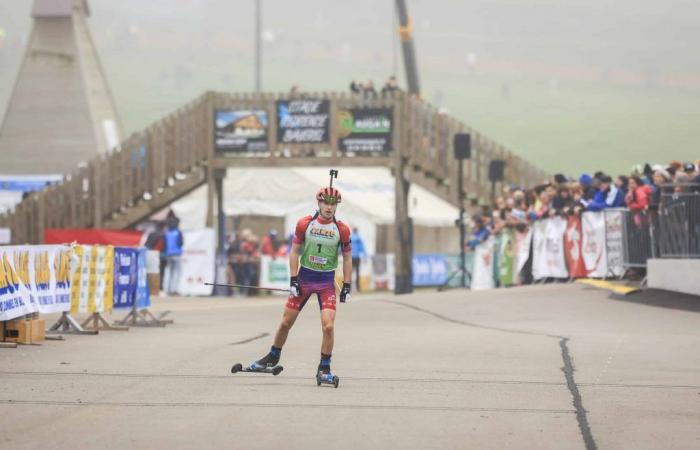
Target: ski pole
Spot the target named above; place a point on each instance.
(262, 288)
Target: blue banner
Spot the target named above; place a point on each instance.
(125, 276)
(430, 269)
(143, 294)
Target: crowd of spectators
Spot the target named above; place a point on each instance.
(366, 89)
(640, 192)
(244, 252)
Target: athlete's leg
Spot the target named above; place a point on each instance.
(288, 318)
(327, 325)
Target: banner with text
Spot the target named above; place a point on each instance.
(548, 249)
(573, 249)
(303, 121)
(364, 130)
(593, 245)
(126, 276)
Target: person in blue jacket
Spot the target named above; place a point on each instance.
(358, 253)
(607, 196)
(173, 254)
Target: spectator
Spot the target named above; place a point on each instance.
(563, 203)
(660, 179)
(479, 232)
(637, 199)
(174, 243)
(681, 182)
(621, 183)
(358, 253)
(368, 90)
(607, 196)
(269, 243)
(390, 86)
(587, 189)
(355, 87)
(154, 241)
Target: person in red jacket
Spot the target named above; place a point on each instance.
(637, 198)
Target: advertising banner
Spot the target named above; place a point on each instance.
(613, 241)
(430, 269)
(241, 131)
(506, 258)
(594, 254)
(548, 250)
(303, 121)
(274, 272)
(365, 130)
(198, 262)
(15, 283)
(482, 275)
(92, 289)
(126, 276)
(573, 251)
(523, 241)
(143, 293)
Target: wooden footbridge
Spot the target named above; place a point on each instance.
(195, 144)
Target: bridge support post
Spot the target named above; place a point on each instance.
(221, 260)
(403, 254)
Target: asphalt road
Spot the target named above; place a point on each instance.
(556, 366)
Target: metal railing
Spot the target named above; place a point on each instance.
(679, 224)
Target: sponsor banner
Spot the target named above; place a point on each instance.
(303, 121)
(274, 272)
(198, 262)
(365, 130)
(594, 254)
(430, 269)
(241, 131)
(506, 258)
(548, 249)
(92, 289)
(143, 293)
(482, 274)
(613, 241)
(523, 241)
(126, 276)
(573, 249)
(15, 283)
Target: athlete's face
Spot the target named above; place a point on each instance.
(327, 210)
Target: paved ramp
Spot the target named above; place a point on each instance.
(558, 366)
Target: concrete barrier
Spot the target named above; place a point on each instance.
(678, 275)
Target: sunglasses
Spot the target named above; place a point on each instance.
(329, 199)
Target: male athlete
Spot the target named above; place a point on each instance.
(312, 262)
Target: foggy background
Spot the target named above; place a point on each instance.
(572, 85)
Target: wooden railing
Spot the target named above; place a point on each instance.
(148, 163)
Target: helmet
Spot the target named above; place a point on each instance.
(329, 195)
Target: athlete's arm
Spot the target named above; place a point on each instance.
(294, 259)
(347, 267)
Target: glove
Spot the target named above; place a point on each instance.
(294, 287)
(345, 293)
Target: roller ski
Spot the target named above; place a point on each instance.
(327, 378)
(268, 364)
(257, 368)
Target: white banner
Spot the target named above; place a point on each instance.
(613, 241)
(522, 250)
(34, 279)
(548, 249)
(198, 262)
(482, 273)
(593, 244)
(274, 273)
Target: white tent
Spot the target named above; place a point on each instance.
(368, 199)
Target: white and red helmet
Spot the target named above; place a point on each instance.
(329, 195)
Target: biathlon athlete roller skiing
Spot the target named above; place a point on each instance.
(313, 259)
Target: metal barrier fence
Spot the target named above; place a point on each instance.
(679, 225)
(638, 239)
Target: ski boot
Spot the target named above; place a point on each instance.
(265, 365)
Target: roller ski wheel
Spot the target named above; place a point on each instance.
(257, 368)
(327, 378)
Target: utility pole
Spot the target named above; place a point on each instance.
(258, 45)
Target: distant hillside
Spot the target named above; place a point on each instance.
(572, 85)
